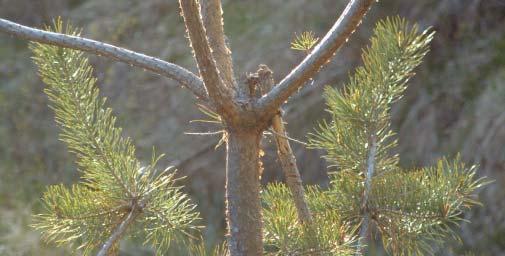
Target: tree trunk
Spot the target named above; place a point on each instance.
(242, 193)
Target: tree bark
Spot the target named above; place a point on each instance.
(288, 163)
(243, 194)
(346, 24)
(364, 229)
(212, 13)
(118, 232)
(158, 66)
(222, 96)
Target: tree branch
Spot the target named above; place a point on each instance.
(212, 14)
(119, 231)
(288, 163)
(263, 81)
(161, 67)
(218, 93)
(348, 22)
(363, 232)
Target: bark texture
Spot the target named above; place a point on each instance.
(218, 93)
(290, 169)
(212, 14)
(346, 24)
(364, 229)
(243, 208)
(161, 67)
(118, 232)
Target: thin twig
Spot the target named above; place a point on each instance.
(205, 121)
(274, 133)
(204, 133)
(116, 235)
(158, 66)
(363, 232)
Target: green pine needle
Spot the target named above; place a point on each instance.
(304, 41)
(410, 210)
(284, 235)
(363, 106)
(113, 180)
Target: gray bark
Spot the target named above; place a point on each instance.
(243, 208)
(346, 24)
(161, 67)
(220, 95)
(118, 232)
(212, 14)
(363, 232)
(288, 164)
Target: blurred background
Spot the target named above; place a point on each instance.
(454, 104)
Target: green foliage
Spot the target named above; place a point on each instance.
(199, 249)
(414, 209)
(362, 109)
(114, 182)
(304, 42)
(329, 234)
(410, 209)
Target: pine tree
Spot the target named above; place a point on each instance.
(118, 196)
(116, 191)
(411, 210)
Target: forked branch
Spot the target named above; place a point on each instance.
(221, 96)
(348, 22)
(212, 14)
(158, 66)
